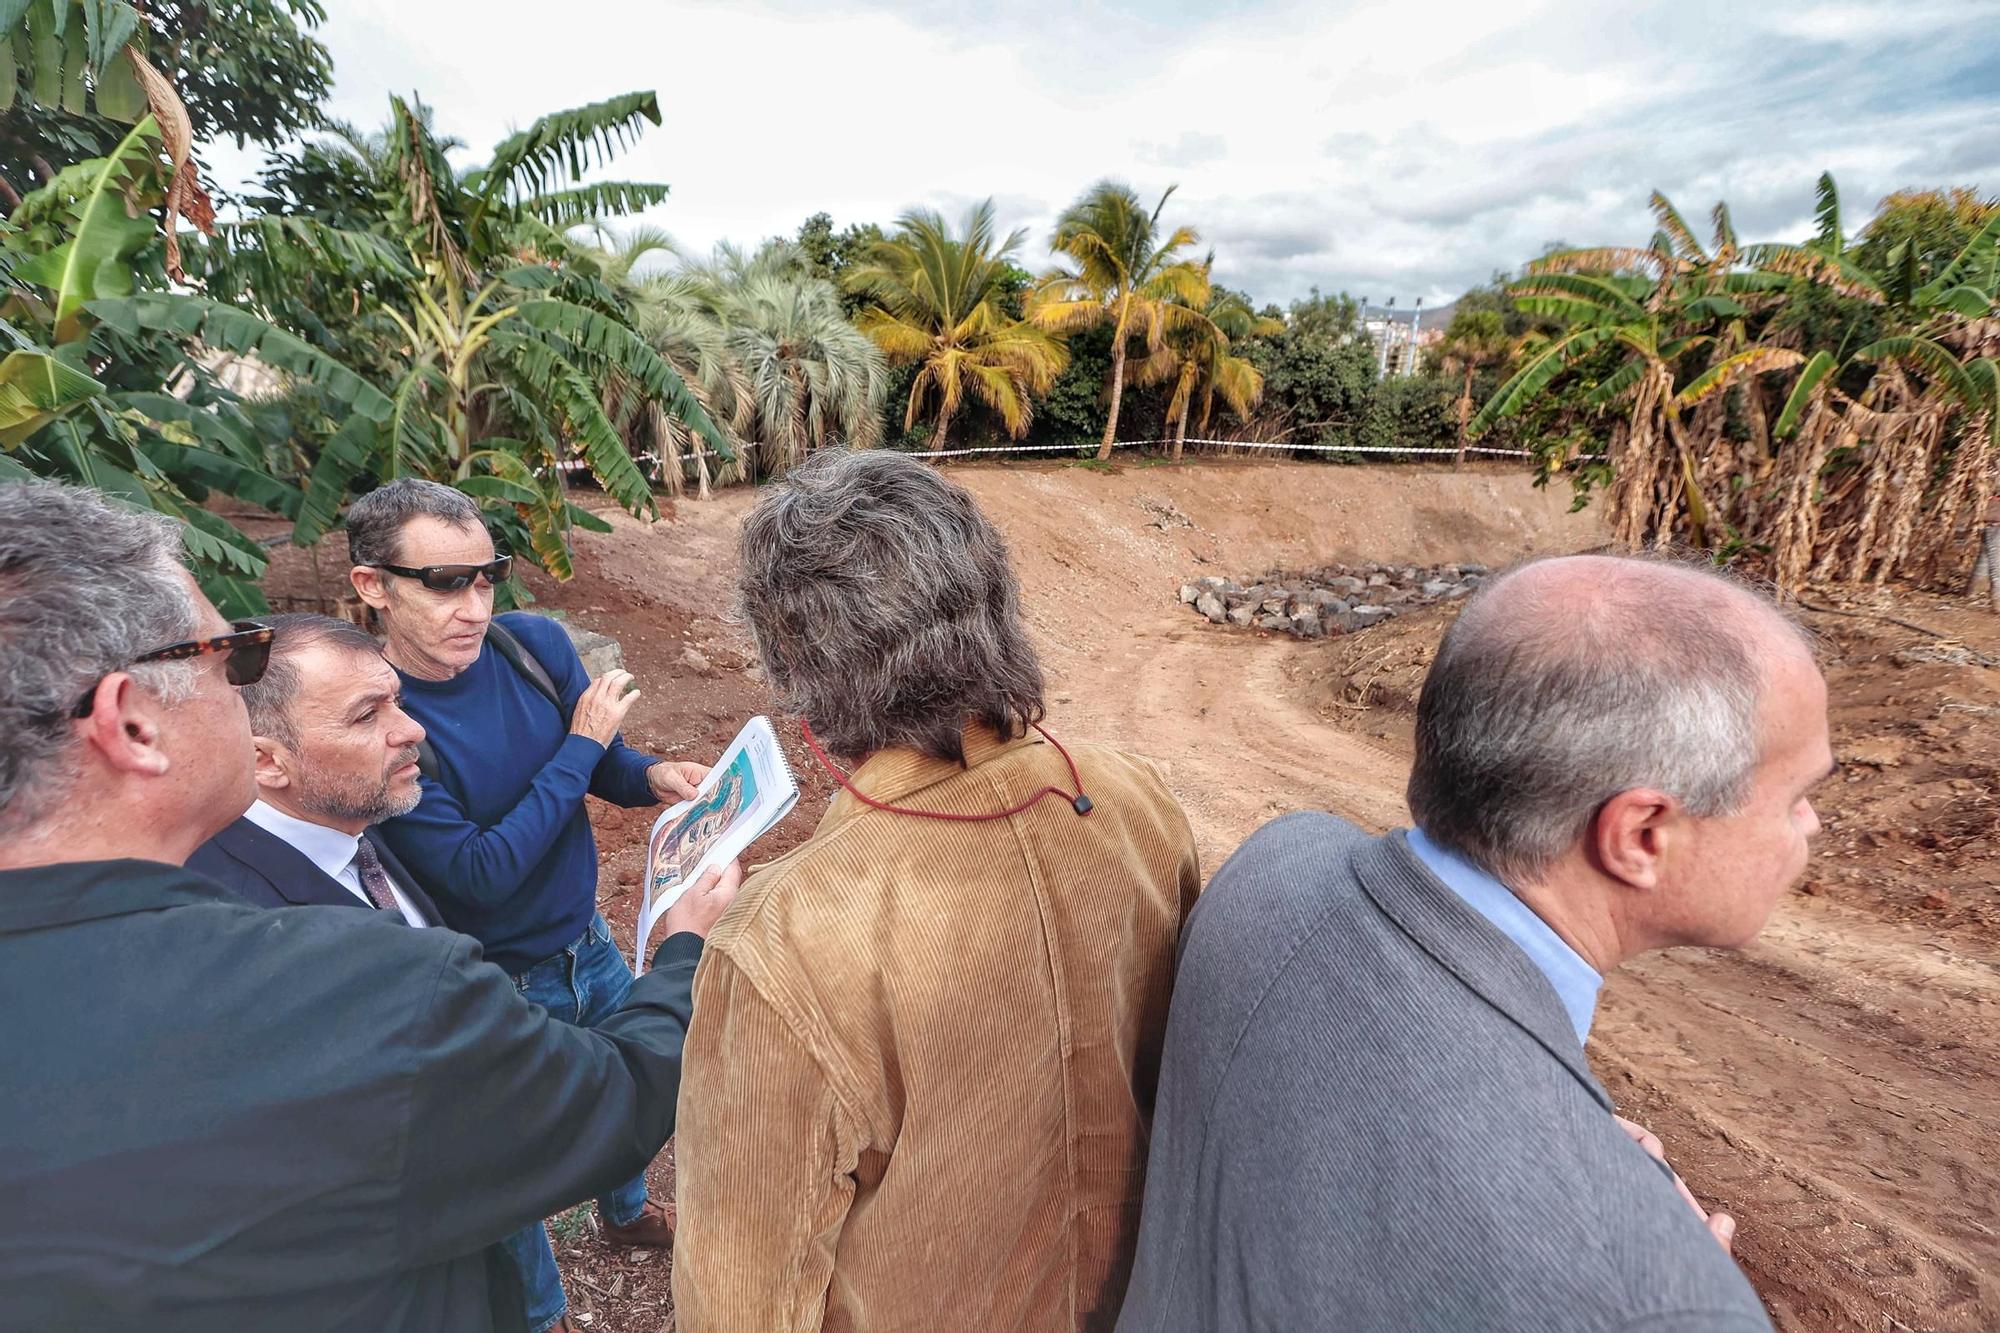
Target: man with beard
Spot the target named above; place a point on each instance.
(219, 1116)
(335, 754)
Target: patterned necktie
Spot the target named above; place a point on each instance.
(374, 879)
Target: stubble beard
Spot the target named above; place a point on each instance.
(343, 801)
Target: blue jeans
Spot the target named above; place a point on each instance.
(583, 985)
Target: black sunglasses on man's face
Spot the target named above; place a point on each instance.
(247, 643)
(453, 578)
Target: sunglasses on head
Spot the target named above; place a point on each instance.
(453, 578)
(248, 645)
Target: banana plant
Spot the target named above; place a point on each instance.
(71, 251)
(75, 53)
(489, 343)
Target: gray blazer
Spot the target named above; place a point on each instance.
(1374, 1115)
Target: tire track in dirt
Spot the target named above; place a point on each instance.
(1847, 1137)
(1233, 764)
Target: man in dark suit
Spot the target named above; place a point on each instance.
(224, 1117)
(335, 754)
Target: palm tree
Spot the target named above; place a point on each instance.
(812, 378)
(1474, 341)
(1197, 357)
(938, 303)
(1121, 272)
(669, 311)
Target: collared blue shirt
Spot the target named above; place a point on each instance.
(1576, 982)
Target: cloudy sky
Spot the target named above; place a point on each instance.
(1404, 148)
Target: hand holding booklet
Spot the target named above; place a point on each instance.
(750, 789)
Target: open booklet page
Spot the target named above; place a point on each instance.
(750, 788)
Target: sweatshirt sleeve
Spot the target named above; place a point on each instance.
(514, 1115)
(620, 775)
(441, 844)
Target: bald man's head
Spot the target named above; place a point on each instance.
(1570, 680)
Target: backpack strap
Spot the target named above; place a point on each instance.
(508, 645)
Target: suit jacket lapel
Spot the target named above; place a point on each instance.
(289, 872)
(1468, 946)
(404, 880)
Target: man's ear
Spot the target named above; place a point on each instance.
(274, 770)
(369, 585)
(124, 727)
(1630, 833)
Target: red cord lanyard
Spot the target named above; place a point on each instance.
(1079, 802)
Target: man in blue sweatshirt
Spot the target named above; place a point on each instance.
(501, 840)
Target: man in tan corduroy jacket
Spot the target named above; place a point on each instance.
(919, 1080)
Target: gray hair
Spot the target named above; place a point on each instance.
(270, 699)
(1540, 706)
(884, 607)
(86, 586)
(376, 521)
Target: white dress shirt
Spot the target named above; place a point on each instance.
(331, 850)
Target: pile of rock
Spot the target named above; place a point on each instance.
(1335, 599)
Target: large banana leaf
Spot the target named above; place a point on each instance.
(35, 389)
(1935, 359)
(1613, 297)
(1535, 375)
(241, 252)
(226, 328)
(558, 381)
(1812, 264)
(107, 230)
(201, 470)
(341, 460)
(587, 203)
(1618, 383)
(536, 504)
(609, 343)
(418, 440)
(563, 145)
(1974, 257)
(1826, 214)
(1711, 307)
(1966, 300)
(1677, 229)
(219, 429)
(1817, 369)
(1754, 361)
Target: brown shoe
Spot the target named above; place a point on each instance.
(652, 1229)
(566, 1325)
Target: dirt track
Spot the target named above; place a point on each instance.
(1837, 1086)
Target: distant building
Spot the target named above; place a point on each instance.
(1401, 337)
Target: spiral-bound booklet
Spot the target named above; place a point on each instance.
(750, 789)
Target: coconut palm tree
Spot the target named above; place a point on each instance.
(1122, 271)
(1474, 341)
(1196, 355)
(937, 302)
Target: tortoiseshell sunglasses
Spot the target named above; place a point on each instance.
(248, 645)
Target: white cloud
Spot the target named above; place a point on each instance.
(1381, 148)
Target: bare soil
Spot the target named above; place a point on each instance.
(1836, 1086)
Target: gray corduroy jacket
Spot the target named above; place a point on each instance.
(1374, 1115)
